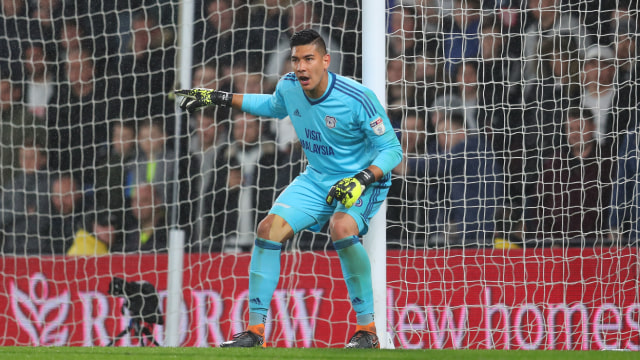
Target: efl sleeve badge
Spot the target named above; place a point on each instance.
(378, 126)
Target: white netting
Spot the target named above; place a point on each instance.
(518, 120)
(530, 111)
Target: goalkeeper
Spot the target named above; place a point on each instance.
(351, 149)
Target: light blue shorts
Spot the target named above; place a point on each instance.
(303, 204)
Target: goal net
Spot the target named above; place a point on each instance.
(511, 220)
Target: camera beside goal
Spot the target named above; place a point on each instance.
(143, 304)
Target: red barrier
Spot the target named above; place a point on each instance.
(542, 299)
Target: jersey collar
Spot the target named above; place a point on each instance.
(332, 81)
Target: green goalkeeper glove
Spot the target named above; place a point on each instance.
(348, 190)
(196, 99)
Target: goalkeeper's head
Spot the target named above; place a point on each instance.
(310, 62)
(308, 37)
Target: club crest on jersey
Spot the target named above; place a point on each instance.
(330, 121)
(378, 126)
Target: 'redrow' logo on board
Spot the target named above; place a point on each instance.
(40, 315)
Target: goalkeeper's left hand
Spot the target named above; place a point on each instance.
(348, 190)
(196, 99)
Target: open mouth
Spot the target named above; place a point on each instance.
(304, 80)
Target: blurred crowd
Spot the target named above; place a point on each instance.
(518, 121)
(528, 137)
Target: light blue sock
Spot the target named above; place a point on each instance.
(356, 269)
(264, 273)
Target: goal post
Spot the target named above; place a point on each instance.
(375, 241)
(176, 236)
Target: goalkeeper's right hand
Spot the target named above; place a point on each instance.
(348, 190)
(196, 99)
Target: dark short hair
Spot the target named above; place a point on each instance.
(306, 37)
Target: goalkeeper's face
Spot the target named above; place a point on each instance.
(310, 66)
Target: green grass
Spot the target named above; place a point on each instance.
(132, 353)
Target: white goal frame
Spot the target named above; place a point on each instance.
(375, 242)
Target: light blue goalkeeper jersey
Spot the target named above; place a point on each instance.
(343, 132)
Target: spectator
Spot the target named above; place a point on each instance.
(116, 177)
(265, 27)
(104, 22)
(157, 166)
(546, 20)
(17, 124)
(39, 79)
(76, 118)
(102, 232)
(499, 77)
(414, 142)
(597, 15)
(574, 188)
(623, 10)
(628, 72)
(429, 76)
(281, 130)
(613, 107)
(258, 166)
(25, 202)
(559, 73)
(71, 38)
(473, 185)
(404, 33)
(219, 222)
(431, 13)
(466, 80)
(123, 141)
(65, 216)
(342, 21)
(626, 52)
(625, 198)
(407, 200)
(45, 21)
(540, 122)
(208, 141)
(148, 69)
(461, 40)
(157, 163)
(65, 26)
(148, 230)
(220, 33)
(400, 80)
(15, 29)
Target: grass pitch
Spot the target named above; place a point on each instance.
(129, 353)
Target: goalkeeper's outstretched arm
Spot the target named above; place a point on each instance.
(196, 99)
